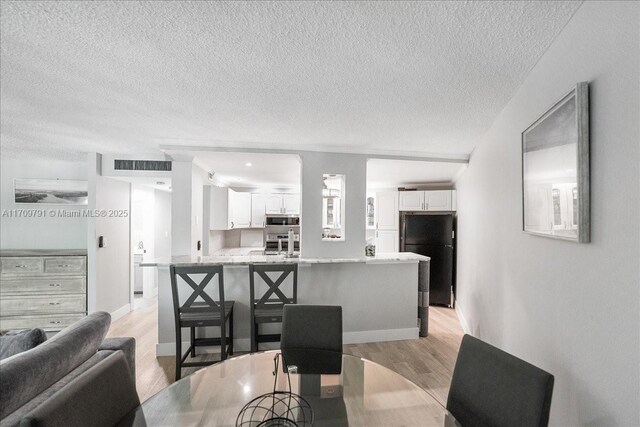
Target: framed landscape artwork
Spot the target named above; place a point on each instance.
(51, 191)
(555, 170)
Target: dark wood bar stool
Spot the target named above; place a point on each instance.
(206, 312)
(268, 307)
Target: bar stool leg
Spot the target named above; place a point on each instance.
(193, 342)
(253, 336)
(178, 352)
(231, 333)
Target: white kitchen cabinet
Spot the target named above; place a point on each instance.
(258, 212)
(386, 241)
(276, 204)
(218, 207)
(227, 209)
(386, 210)
(432, 200)
(240, 209)
(411, 200)
(439, 200)
(291, 204)
(273, 204)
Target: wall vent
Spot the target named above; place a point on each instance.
(142, 165)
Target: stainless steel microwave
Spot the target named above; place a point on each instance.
(282, 220)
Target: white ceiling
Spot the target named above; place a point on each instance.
(402, 173)
(397, 77)
(266, 170)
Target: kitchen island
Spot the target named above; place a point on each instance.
(378, 295)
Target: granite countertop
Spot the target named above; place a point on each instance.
(383, 258)
(240, 251)
(42, 252)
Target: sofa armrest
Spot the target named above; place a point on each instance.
(128, 347)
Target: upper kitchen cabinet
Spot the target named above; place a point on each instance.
(291, 204)
(258, 210)
(227, 209)
(240, 210)
(216, 202)
(411, 200)
(386, 210)
(282, 204)
(433, 200)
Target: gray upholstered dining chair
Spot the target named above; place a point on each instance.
(490, 387)
(100, 397)
(312, 338)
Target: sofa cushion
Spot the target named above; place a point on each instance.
(29, 373)
(100, 397)
(13, 419)
(15, 342)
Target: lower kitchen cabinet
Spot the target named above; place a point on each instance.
(387, 241)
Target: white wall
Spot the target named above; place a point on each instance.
(40, 233)
(108, 268)
(187, 181)
(571, 309)
(162, 226)
(113, 262)
(314, 165)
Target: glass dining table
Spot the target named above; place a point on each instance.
(364, 393)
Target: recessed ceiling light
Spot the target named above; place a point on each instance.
(248, 164)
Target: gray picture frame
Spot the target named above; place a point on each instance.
(31, 191)
(555, 170)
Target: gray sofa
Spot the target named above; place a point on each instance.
(30, 378)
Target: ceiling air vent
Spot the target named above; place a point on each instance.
(142, 165)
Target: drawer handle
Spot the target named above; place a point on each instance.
(22, 266)
(64, 265)
(55, 322)
(54, 303)
(57, 285)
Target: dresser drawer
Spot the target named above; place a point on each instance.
(20, 265)
(65, 265)
(49, 323)
(23, 305)
(41, 285)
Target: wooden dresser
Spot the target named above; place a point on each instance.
(44, 289)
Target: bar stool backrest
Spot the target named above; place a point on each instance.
(274, 296)
(200, 300)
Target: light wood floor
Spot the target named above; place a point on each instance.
(427, 362)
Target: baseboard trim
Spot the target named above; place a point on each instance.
(463, 320)
(115, 315)
(244, 344)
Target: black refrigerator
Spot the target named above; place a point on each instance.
(432, 235)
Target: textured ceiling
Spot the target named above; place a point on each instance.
(401, 173)
(266, 170)
(125, 77)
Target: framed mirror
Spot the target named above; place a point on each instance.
(555, 170)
